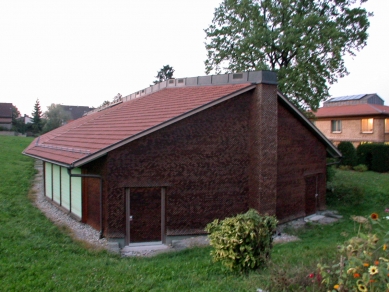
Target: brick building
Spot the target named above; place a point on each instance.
(356, 118)
(165, 161)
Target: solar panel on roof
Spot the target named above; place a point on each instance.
(347, 97)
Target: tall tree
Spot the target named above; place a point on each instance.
(304, 41)
(56, 116)
(37, 118)
(165, 73)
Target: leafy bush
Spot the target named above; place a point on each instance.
(330, 173)
(242, 242)
(364, 154)
(380, 158)
(363, 260)
(344, 193)
(348, 152)
(360, 168)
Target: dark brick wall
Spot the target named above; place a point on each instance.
(300, 155)
(263, 149)
(202, 161)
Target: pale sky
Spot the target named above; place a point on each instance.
(83, 52)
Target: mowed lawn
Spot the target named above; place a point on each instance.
(36, 255)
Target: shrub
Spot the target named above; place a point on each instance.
(364, 154)
(360, 168)
(344, 193)
(348, 152)
(380, 158)
(330, 173)
(243, 242)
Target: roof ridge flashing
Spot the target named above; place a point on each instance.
(255, 77)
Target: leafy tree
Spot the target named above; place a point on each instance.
(304, 41)
(56, 116)
(165, 73)
(37, 122)
(17, 122)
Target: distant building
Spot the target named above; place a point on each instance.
(355, 118)
(75, 111)
(26, 119)
(6, 115)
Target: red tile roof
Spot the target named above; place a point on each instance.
(352, 110)
(88, 137)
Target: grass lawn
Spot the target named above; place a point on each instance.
(36, 255)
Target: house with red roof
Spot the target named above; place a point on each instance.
(356, 118)
(163, 162)
(6, 115)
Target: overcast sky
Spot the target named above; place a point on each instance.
(83, 52)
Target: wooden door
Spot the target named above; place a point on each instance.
(311, 188)
(144, 215)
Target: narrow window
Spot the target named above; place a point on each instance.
(367, 125)
(336, 126)
(386, 125)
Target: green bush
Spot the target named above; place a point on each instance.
(348, 152)
(364, 154)
(360, 168)
(344, 193)
(330, 173)
(243, 242)
(380, 158)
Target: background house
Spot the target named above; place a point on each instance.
(76, 112)
(165, 161)
(356, 118)
(6, 115)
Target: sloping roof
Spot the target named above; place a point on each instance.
(146, 111)
(346, 97)
(94, 135)
(352, 110)
(6, 110)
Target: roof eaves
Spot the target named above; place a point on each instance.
(47, 160)
(104, 151)
(330, 147)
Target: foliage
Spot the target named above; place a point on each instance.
(330, 173)
(303, 41)
(56, 116)
(37, 122)
(344, 193)
(360, 168)
(349, 154)
(374, 155)
(380, 158)
(363, 263)
(243, 242)
(165, 73)
(364, 154)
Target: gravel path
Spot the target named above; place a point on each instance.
(79, 231)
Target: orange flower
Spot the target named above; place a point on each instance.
(374, 216)
(376, 263)
(356, 275)
(384, 247)
(372, 281)
(336, 287)
(366, 264)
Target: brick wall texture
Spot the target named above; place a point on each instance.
(351, 130)
(249, 151)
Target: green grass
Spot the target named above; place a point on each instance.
(36, 255)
